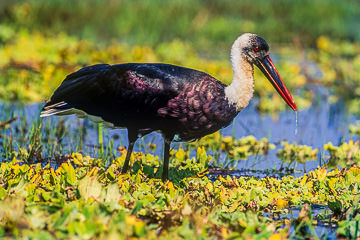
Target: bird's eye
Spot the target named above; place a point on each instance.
(256, 49)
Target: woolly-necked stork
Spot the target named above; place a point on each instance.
(183, 104)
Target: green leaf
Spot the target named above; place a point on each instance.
(70, 174)
(63, 217)
(2, 192)
(137, 208)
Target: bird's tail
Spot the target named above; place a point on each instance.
(76, 87)
(59, 108)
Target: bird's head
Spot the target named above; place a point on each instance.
(255, 50)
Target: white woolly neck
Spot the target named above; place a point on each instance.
(241, 90)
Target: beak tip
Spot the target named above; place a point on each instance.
(294, 107)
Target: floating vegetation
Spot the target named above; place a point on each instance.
(355, 128)
(243, 147)
(345, 155)
(83, 199)
(296, 153)
(349, 226)
(235, 149)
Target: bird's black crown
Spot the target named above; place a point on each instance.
(256, 48)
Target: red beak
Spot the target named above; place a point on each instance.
(269, 70)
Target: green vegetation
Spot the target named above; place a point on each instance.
(77, 196)
(296, 153)
(82, 199)
(235, 149)
(48, 194)
(349, 226)
(345, 155)
(206, 24)
(355, 128)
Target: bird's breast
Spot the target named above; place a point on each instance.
(199, 109)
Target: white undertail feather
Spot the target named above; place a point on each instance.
(51, 110)
(241, 90)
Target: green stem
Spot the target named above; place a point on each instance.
(101, 142)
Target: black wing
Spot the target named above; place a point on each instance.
(125, 95)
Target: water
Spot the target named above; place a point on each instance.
(296, 123)
(322, 229)
(315, 126)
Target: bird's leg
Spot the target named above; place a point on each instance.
(132, 139)
(167, 143)
(127, 159)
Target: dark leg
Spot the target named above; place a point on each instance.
(132, 139)
(167, 143)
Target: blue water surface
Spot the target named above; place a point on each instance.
(317, 125)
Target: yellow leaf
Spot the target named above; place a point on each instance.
(221, 179)
(34, 178)
(275, 236)
(130, 220)
(242, 223)
(323, 43)
(303, 181)
(281, 203)
(53, 176)
(210, 187)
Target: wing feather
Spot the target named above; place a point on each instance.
(118, 94)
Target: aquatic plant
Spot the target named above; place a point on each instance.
(355, 128)
(345, 155)
(82, 198)
(296, 153)
(349, 226)
(235, 149)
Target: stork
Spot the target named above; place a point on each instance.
(182, 104)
